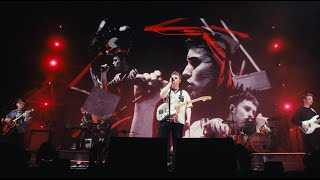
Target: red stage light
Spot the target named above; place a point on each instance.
(57, 44)
(287, 106)
(275, 45)
(45, 103)
(53, 64)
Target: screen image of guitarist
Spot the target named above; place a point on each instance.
(15, 124)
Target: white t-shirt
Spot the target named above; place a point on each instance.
(174, 100)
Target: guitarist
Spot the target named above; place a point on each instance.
(311, 141)
(86, 128)
(17, 134)
(175, 122)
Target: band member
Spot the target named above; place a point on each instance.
(16, 130)
(175, 121)
(86, 125)
(86, 117)
(241, 117)
(311, 141)
(203, 75)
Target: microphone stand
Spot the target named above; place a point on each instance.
(232, 120)
(169, 99)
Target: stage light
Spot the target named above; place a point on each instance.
(53, 64)
(287, 107)
(276, 45)
(56, 43)
(45, 104)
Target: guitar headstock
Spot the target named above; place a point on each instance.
(205, 98)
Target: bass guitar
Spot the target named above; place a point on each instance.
(312, 124)
(12, 124)
(163, 109)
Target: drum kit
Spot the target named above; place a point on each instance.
(255, 139)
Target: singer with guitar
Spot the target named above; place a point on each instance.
(15, 131)
(179, 117)
(302, 117)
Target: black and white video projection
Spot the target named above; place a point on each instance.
(245, 66)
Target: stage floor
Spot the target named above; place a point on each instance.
(290, 161)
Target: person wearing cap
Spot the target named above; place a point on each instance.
(17, 134)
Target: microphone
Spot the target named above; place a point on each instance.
(102, 24)
(97, 37)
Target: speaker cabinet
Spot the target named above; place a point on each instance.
(143, 156)
(205, 157)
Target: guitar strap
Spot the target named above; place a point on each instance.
(313, 110)
(181, 97)
(169, 99)
(18, 113)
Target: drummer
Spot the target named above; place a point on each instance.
(242, 108)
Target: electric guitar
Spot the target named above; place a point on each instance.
(163, 109)
(13, 123)
(312, 123)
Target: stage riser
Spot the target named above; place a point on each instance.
(290, 162)
(78, 159)
(74, 155)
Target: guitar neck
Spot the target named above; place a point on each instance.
(17, 118)
(22, 115)
(188, 102)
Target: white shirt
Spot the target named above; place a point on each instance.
(174, 100)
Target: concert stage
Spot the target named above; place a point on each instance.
(290, 161)
(147, 157)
